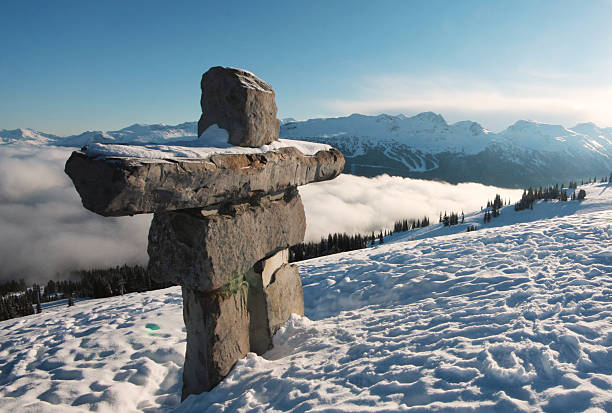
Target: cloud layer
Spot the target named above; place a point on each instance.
(355, 204)
(46, 231)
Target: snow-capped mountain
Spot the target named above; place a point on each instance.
(427, 132)
(27, 136)
(422, 146)
(426, 146)
(136, 133)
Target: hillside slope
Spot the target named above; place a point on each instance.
(511, 318)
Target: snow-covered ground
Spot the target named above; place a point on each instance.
(120, 354)
(512, 317)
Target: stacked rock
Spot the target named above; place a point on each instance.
(222, 225)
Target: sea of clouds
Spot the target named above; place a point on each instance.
(355, 204)
(45, 232)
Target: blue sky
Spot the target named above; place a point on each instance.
(70, 66)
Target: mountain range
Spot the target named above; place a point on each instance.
(422, 146)
(426, 146)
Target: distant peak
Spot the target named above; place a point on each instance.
(474, 127)
(137, 126)
(586, 126)
(429, 115)
(589, 124)
(526, 122)
(529, 123)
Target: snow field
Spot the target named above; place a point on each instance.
(120, 354)
(507, 319)
(513, 317)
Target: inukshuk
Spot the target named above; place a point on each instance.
(224, 217)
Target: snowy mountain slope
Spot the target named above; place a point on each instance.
(556, 138)
(592, 130)
(510, 318)
(136, 133)
(425, 146)
(426, 132)
(429, 133)
(26, 136)
(597, 200)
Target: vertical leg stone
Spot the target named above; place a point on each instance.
(275, 292)
(217, 335)
(209, 253)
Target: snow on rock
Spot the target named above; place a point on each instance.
(512, 318)
(214, 141)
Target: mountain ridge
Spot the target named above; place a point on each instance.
(421, 146)
(425, 146)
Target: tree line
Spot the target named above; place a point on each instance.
(18, 300)
(548, 193)
(342, 242)
(452, 219)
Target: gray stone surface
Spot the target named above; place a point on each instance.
(124, 186)
(272, 300)
(259, 332)
(221, 226)
(208, 252)
(241, 103)
(217, 336)
(284, 296)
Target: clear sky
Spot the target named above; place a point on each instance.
(70, 66)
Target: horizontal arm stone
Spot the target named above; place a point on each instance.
(129, 186)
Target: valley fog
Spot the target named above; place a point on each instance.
(46, 231)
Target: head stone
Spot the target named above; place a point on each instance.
(238, 101)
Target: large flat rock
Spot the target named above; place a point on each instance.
(117, 186)
(215, 252)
